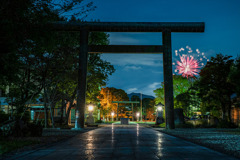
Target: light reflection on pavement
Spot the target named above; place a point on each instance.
(124, 142)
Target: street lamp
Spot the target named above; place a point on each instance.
(138, 116)
(90, 108)
(159, 115)
(90, 119)
(112, 115)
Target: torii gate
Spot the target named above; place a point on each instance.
(165, 27)
(126, 102)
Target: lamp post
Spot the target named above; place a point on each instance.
(159, 115)
(90, 119)
(112, 115)
(138, 116)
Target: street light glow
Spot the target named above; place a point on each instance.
(159, 108)
(112, 113)
(90, 108)
(138, 114)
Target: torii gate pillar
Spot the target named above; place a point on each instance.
(82, 79)
(168, 79)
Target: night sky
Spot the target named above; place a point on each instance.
(144, 72)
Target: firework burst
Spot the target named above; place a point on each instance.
(190, 63)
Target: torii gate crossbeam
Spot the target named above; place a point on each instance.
(165, 27)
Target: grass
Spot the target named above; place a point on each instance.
(142, 122)
(7, 145)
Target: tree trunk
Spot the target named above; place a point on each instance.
(68, 112)
(229, 113)
(51, 112)
(223, 112)
(45, 108)
(63, 104)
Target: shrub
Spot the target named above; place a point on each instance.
(3, 117)
(162, 125)
(185, 125)
(35, 130)
(226, 124)
(98, 121)
(203, 124)
(25, 117)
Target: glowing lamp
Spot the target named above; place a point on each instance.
(159, 108)
(90, 108)
(138, 114)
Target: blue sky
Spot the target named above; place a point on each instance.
(144, 72)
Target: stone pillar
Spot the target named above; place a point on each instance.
(82, 76)
(168, 79)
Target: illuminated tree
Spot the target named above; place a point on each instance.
(107, 95)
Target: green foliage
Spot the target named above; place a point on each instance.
(234, 75)
(185, 125)
(7, 145)
(163, 125)
(226, 124)
(4, 117)
(98, 121)
(38, 62)
(180, 85)
(213, 84)
(35, 130)
(203, 124)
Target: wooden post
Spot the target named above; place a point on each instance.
(82, 76)
(168, 79)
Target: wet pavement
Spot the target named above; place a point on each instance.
(124, 142)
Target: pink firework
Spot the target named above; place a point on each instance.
(187, 66)
(191, 61)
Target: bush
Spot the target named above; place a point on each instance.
(226, 124)
(162, 125)
(35, 130)
(203, 124)
(4, 117)
(98, 121)
(25, 117)
(185, 125)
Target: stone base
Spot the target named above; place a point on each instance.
(92, 125)
(124, 120)
(77, 129)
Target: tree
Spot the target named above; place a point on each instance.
(107, 95)
(180, 85)
(234, 76)
(214, 84)
(42, 62)
(148, 105)
(136, 106)
(183, 101)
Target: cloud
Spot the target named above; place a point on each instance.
(154, 85)
(135, 38)
(119, 39)
(132, 68)
(130, 90)
(154, 60)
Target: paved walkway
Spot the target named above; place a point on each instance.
(124, 142)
